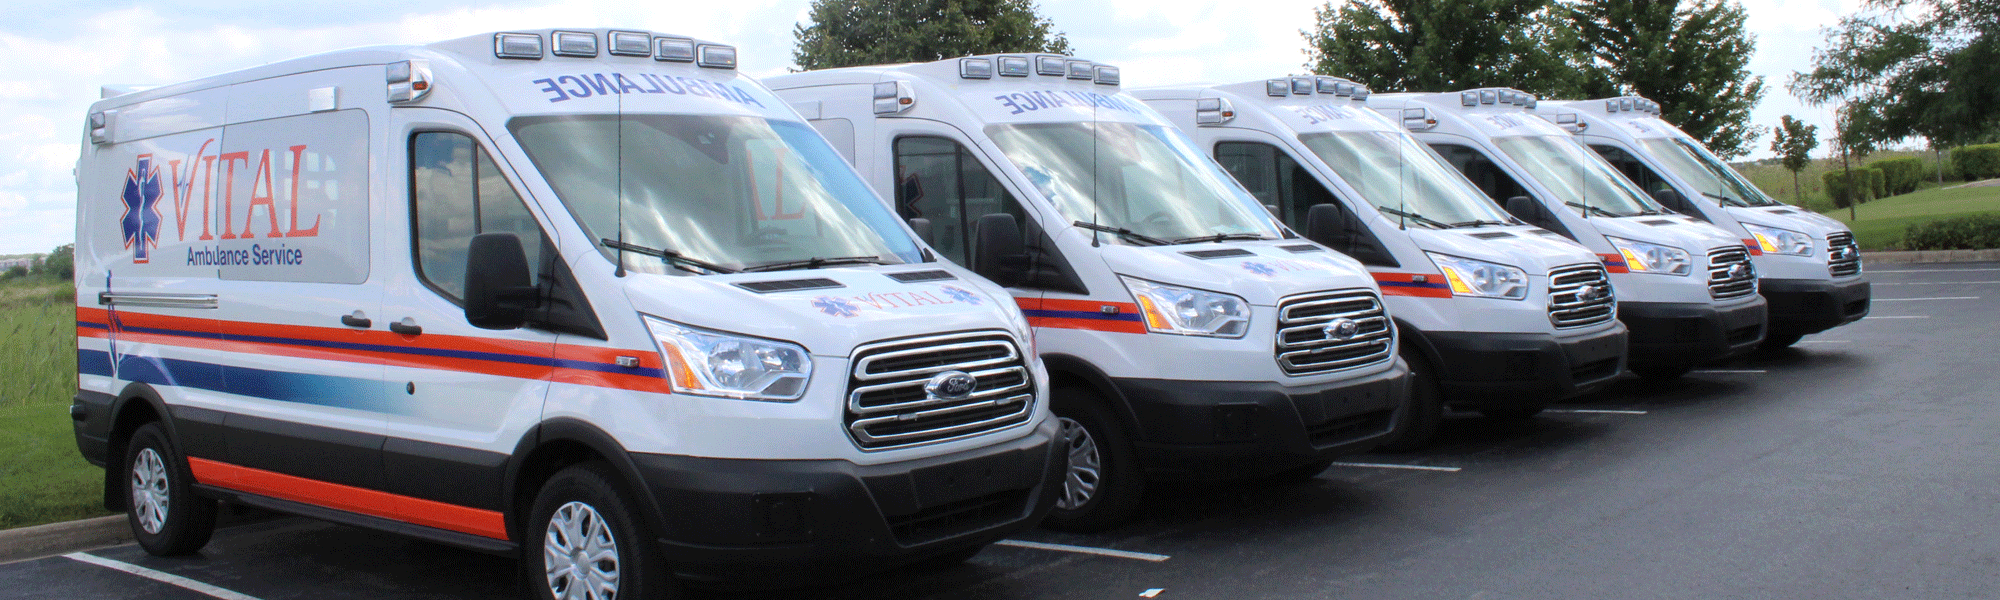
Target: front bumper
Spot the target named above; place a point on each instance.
(1212, 430)
(782, 523)
(1674, 334)
(1809, 306)
(1481, 370)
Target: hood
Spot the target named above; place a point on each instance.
(1529, 248)
(1696, 237)
(1790, 217)
(831, 311)
(1260, 272)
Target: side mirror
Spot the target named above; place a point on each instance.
(1273, 209)
(999, 253)
(498, 292)
(1526, 209)
(923, 228)
(1327, 225)
(1674, 201)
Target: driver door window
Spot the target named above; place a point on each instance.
(1275, 179)
(458, 193)
(938, 179)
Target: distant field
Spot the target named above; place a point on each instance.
(1773, 179)
(42, 478)
(1881, 223)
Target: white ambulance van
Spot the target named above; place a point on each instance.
(1808, 266)
(588, 296)
(1687, 291)
(1187, 334)
(1495, 315)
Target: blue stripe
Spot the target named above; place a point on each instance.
(539, 361)
(1080, 314)
(282, 386)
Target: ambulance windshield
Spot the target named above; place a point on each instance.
(1709, 175)
(1577, 177)
(717, 191)
(1398, 174)
(1145, 180)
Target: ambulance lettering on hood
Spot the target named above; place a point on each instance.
(588, 85)
(142, 219)
(849, 306)
(1271, 268)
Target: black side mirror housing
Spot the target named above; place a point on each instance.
(999, 253)
(1674, 201)
(923, 228)
(498, 289)
(1327, 225)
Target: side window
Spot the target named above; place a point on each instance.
(1632, 168)
(938, 179)
(457, 192)
(1497, 184)
(1274, 178)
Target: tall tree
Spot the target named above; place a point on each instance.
(1691, 57)
(1912, 68)
(1443, 45)
(1794, 142)
(845, 33)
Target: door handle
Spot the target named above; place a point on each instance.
(356, 320)
(407, 326)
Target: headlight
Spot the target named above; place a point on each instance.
(1481, 279)
(1773, 240)
(1183, 311)
(712, 363)
(1641, 257)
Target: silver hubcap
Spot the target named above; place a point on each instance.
(1084, 466)
(149, 490)
(580, 554)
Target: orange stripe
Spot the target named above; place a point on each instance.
(452, 517)
(1090, 324)
(1755, 250)
(1415, 292)
(1076, 305)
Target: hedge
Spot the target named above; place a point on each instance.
(1877, 183)
(1838, 190)
(1970, 232)
(1901, 175)
(1977, 162)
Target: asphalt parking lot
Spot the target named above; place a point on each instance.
(1861, 463)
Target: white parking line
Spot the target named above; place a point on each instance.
(1867, 318)
(1823, 341)
(1936, 298)
(1727, 371)
(1145, 556)
(1152, 593)
(1390, 466)
(1933, 271)
(1931, 282)
(167, 578)
(1594, 411)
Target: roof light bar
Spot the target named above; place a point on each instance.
(975, 68)
(1050, 65)
(1302, 86)
(1361, 92)
(1529, 100)
(1078, 69)
(1014, 66)
(1277, 87)
(1624, 104)
(1213, 111)
(715, 56)
(408, 80)
(893, 97)
(673, 49)
(579, 44)
(1487, 96)
(631, 43)
(1326, 85)
(518, 45)
(1343, 89)
(1418, 119)
(100, 127)
(1105, 75)
(1468, 98)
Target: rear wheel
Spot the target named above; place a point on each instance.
(167, 517)
(592, 545)
(1425, 412)
(1103, 485)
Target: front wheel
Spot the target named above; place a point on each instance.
(1779, 341)
(1661, 372)
(591, 543)
(1425, 412)
(1103, 485)
(167, 517)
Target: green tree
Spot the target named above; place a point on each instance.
(1690, 56)
(60, 263)
(1794, 142)
(1912, 68)
(846, 33)
(1444, 45)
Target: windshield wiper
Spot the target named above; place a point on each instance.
(1434, 223)
(671, 257)
(1220, 237)
(1727, 201)
(817, 262)
(1595, 210)
(1123, 233)
(1478, 223)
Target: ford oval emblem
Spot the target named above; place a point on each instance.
(951, 385)
(1341, 329)
(1589, 292)
(1739, 270)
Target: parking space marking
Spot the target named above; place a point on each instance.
(1394, 466)
(1145, 556)
(1931, 282)
(1823, 341)
(1152, 593)
(1934, 271)
(1594, 411)
(1936, 298)
(167, 578)
(1727, 371)
(1894, 317)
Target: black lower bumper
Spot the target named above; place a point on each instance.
(1212, 430)
(1809, 306)
(780, 523)
(1478, 370)
(1674, 334)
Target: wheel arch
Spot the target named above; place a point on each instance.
(558, 443)
(135, 406)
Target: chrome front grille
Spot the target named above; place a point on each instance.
(1730, 274)
(1843, 256)
(1580, 295)
(892, 401)
(1327, 332)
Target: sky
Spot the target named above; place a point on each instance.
(62, 52)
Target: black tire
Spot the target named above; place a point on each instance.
(948, 560)
(1300, 474)
(589, 512)
(1511, 414)
(1425, 412)
(1779, 341)
(1661, 372)
(166, 516)
(1092, 432)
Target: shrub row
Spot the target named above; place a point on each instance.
(1977, 162)
(1902, 175)
(1869, 184)
(1970, 232)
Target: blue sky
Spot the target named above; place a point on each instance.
(61, 52)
